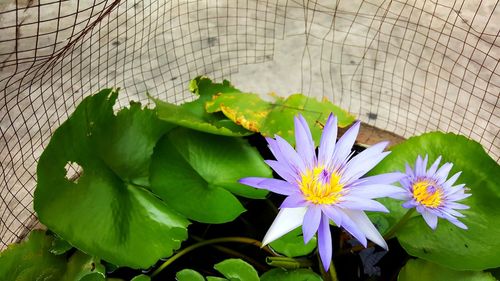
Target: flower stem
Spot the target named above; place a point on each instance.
(331, 275)
(288, 263)
(390, 234)
(237, 254)
(244, 240)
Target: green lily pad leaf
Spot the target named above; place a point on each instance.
(31, 260)
(197, 173)
(59, 246)
(416, 270)
(189, 275)
(141, 277)
(83, 267)
(292, 244)
(276, 118)
(106, 211)
(280, 274)
(237, 270)
(472, 249)
(193, 115)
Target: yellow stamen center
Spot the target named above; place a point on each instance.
(321, 186)
(427, 193)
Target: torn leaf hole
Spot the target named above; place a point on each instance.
(73, 171)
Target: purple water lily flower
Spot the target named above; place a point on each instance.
(432, 194)
(327, 186)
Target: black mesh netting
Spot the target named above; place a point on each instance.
(404, 66)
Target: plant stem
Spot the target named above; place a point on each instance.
(244, 240)
(399, 224)
(248, 259)
(331, 275)
(333, 272)
(288, 263)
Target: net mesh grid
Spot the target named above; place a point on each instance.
(403, 66)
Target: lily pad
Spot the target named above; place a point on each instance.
(416, 270)
(292, 244)
(472, 249)
(141, 277)
(193, 115)
(197, 173)
(31, 260)
(280, 274)
(106, 211)
(276, 118)
(237, 270)
(189, 275)
(232, 269)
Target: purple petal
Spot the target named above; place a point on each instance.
(363, 163)
(377, 191)
(304, 142)
(311, 222)
(328, 139)
(287, 220)
(325, 242)
(458, 197)
(409, 204)
(459, 224)
(455, 189)
(294, 200)
(350, 226)
(458, 206)
(291, 156)
(424, 164)
(443, 172)
(332, 213)
(406, 183)
(430, 219)
(452, 213)
(285, 154)
(383, 178)
(419, 167)
(361, 204)
(409, 170)
(434, 167)
(283, 171)
(274, 185)
(452, 180)
(344, 145)
(367, 227)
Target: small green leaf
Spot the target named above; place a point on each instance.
(280, 274)
(473, 249)
(59, 246)
(193, 114)
(213, 278)
(189, 275)
(141, 277)
(237, 270)
(31, 260)
(416, 270)
(276, 118)
(196, 173)
(106, 211)
(292, 244)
